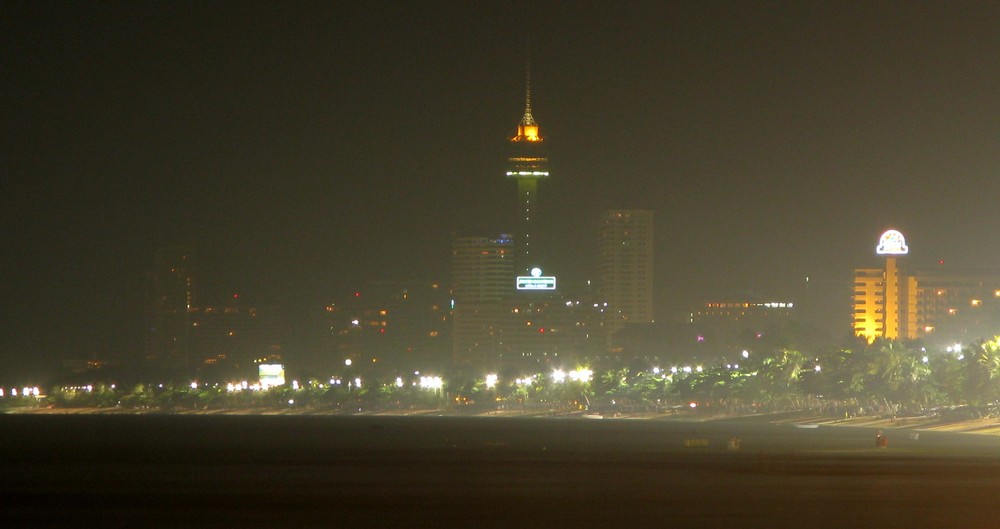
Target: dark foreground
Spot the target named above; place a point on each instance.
(260, 471)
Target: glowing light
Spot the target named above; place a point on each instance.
(270, 375)
(892, 243)
(194, 385)
(558, 375)
(581, 375)
(427, 382)
(529, 174)
(347, 362)
(399, 382)
(491, 381)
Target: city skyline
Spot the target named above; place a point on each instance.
(305, 150)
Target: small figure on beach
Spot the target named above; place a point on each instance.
(880, 440)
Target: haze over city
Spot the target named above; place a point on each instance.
(305, 149)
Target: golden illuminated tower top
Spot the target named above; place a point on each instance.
(527, 130)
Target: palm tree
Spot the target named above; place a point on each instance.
(781, 374)
(901, 376)
(983, 371)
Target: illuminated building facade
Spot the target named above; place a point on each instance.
(746, 314)
(527, 164)
(625, 268)
(738, 322)
(937, 305)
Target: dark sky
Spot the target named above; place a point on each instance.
(308, 147)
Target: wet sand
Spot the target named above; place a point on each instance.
(315, 471)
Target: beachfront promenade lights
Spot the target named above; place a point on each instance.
(434, 383)
(578, 375)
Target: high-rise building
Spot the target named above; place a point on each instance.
(396, 324)
(527, 164)
(496, 326)
(172, 298)
(625, 268)
(938, 305)
(482, 280)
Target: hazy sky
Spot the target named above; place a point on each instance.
(308, 147)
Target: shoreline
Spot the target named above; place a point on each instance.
(981, 426)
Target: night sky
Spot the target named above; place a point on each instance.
(306, 148)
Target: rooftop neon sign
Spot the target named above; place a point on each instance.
(892, 243)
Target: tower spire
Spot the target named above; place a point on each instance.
(527, 119)
(527, 129)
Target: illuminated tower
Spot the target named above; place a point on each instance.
(527, 164)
